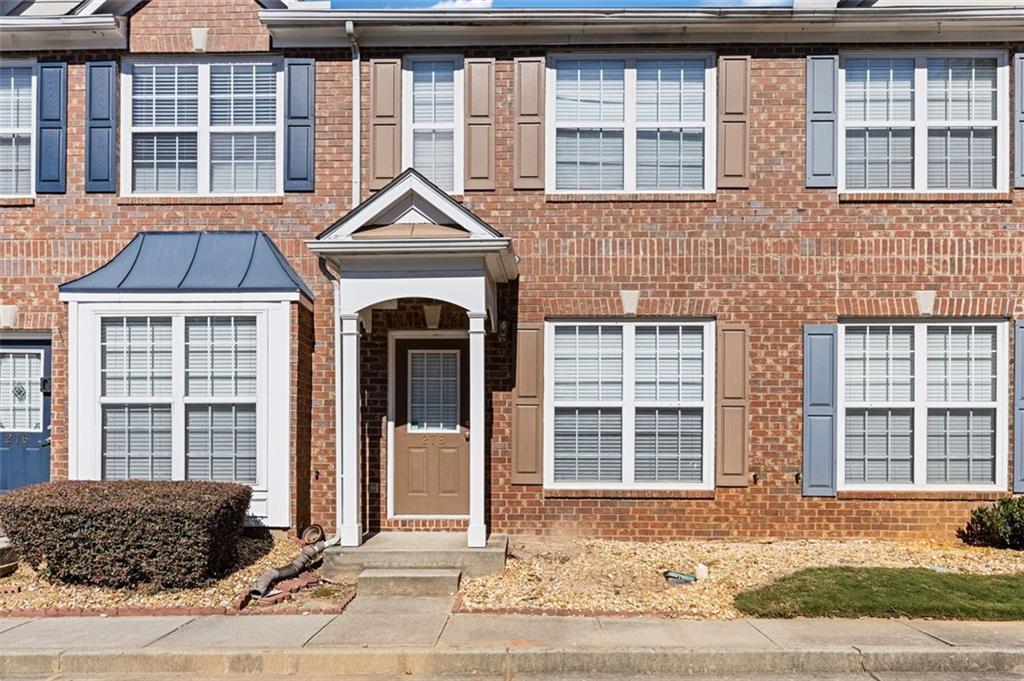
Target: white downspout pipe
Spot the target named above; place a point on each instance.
(350, 31)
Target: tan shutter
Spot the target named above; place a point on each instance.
(732, 438)
(529, 123)
(479, 123)
(385, 121)
(528, 407)
(734, 122)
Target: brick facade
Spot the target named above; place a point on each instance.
(774, 256)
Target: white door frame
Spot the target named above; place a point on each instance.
(392, 337)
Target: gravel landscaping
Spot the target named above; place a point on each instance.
(25, 590)
(586, 576)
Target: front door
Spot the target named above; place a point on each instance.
(24, 413)
(431, 471)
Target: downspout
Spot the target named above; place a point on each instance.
(350, 31)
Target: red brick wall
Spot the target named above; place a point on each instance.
(775, 256)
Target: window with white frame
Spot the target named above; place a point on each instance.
(631, 123)
(631, 404)
(920, 404)
(17, 125)
(209, 127)
(930, 122)
(432, 125)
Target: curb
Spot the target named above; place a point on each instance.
(393, 662)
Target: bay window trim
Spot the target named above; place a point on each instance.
(629, 125)
(628, 405)
(30, 130)
(921, 125)
(271, 502)
(203, 128)
(458, 118)
(921, 405)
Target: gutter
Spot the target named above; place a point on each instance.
(350, 31)
(69, 32)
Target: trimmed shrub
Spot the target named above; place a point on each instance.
(120, 533)
(1000, 525)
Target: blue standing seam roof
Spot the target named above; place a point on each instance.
(194, 262)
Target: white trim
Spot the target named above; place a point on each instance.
(33, 128)
(203, 129)
(629, 125)
(921, 405)
(184, 297)
(392, 337)
(921, 123)
(458, 123)
(271, 504)
(628, 404)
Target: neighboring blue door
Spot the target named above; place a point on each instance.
(24, 413)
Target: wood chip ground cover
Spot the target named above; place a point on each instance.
(626, 577)
(256, 554)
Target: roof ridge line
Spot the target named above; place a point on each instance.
(252, 256)
(135, 260)
(192, 260)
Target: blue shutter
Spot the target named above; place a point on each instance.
(100, 126)
(1018, 127)
(822, 121)
(52, 128)
(299, 121)
(1018, 406)
(820, 394)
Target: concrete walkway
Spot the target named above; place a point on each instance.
(386, 636)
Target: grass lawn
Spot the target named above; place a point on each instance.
(888, 592)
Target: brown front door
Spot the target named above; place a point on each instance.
(431, 435)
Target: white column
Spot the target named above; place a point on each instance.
(351, 528)
(477, 535)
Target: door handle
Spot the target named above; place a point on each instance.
(44, 443)
(466, 433)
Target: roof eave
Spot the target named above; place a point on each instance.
(496, 251)
(73, 32)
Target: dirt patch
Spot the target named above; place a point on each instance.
(615, 576)
(26, 590)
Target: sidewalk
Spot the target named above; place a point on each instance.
(392, 636)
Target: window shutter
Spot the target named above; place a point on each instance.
(1018, 128)
(822, 120)
(528, 409)
(733, 379)
(734, 122)
(479, 123)
(1018, 402)
(300, 121)
(385, 121)
(529, 123)
(820, 394)
(100, 126)
(52, 128)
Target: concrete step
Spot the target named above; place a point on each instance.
(421, 582)
(417, 551)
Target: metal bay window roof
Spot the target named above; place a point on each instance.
(194, 262)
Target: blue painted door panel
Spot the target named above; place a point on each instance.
(24, 413)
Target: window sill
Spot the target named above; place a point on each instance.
(17, 201)
(620, 197)
(924, 495)
(629, 493)
(197, 200)
(925, 197)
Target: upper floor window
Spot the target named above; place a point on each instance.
(631, 124)
(924, 123)
(211, 127)
(432, 119)
(17, 129)
(920, 405)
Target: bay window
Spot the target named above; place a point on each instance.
(928, 122)
(206, 127)
(920, 404)
(631, 123)
(17, 128)
(631, 405)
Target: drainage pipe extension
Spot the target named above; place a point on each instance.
(308, 555)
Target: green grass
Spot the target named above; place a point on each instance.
(888, 592)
